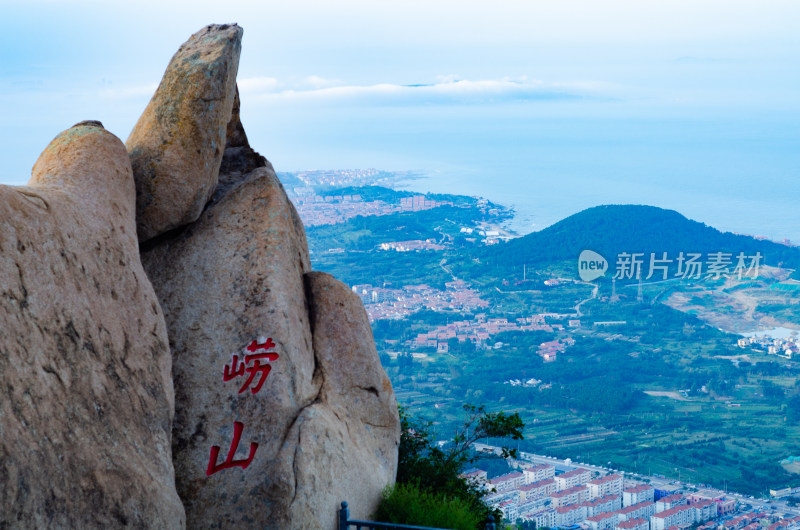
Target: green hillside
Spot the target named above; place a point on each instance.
(614, 229)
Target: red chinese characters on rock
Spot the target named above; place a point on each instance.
(256, 355)
(229, 462)
(252, 356)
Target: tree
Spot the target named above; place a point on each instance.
(433, 469)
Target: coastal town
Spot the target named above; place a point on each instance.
(433, 315)
(317, 210)
(561, 494)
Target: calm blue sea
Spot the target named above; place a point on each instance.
(735, 175)
(736, 171)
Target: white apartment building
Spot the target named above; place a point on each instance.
(543, 488)
(704, 510)
(671, 501)
(570, 479)
(608, 485)
(570, 515)
(680, 515)
(507, 482)
(640, 510)
(574, 495)
(633, 524)
(637, 494)
(546, 518)
(538, 473)
(602, 521)
(607, 503)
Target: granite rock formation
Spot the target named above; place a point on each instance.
(325, 419)
(269, 358)
(179, 261)
(86, 396)
(176, 146)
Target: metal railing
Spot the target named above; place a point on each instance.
(345, 523)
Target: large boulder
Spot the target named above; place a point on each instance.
(86, 396)
(324, 416)
(176, 146)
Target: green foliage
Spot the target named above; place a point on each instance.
(410, 504)
(371, 193)
(612, 229)
(772, 392)
(793, 409)
(432, 469)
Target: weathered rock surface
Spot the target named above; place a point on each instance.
(177, 145)
(86, 395)
(325, 419)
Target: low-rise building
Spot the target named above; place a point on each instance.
(602, 521)
(475, 475)
(680, 515)
(726, 507)
(543, 519)
(533, 505)
(570, 479)
(538, 473)
(670, 501)
(574, 495)
(608, 485)
(509, 509)
(665, 490)
(543, 488)
(569, 515)
(637, 494)
(633, 524)
(607, 503)
(508, 481)
(704, 510)
(640, 510)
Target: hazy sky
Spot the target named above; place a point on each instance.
(437, 85)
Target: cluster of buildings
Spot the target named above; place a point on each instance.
(549, 350)
(787, 347)
(316, 210)
(412, 245)
(755, 521)
(386, 303)
(579, 497)
(480, 330)
(338, 177)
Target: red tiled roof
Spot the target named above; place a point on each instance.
(601, 517)
(631, 523)
(607, 478)
(504, 478)
(633, 507)
(568, 491)
(672, 511)
(574, 473)
(638, 489)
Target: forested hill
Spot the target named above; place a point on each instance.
(614, 229)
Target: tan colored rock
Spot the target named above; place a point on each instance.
(86, 398)
(176, 146)
(346, 443)
(325, 419)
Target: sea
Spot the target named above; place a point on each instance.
(714, 173)
(736, 171)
